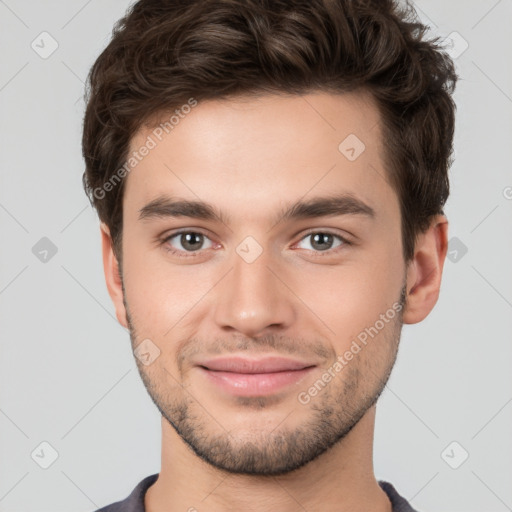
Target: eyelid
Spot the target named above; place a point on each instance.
(172, 234)
(326, 231)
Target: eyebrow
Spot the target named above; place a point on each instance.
(331, 206)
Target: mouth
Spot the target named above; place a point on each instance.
(241, 376)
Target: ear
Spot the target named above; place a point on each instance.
(425, 270)
(112, 275)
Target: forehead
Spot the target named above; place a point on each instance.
(241, 153)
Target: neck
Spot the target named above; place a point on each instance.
(339, 480)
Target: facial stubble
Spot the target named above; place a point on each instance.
(333, 413)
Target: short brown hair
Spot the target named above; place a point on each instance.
(163, 52)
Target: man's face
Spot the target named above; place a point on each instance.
(280, 296)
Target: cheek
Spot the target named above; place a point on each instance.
(351, 297)
(152, 294)
(162, 297)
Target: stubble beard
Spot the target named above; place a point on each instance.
(334, 412)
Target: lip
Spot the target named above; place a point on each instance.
(254, 377)
(271, 364)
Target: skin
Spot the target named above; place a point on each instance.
(250, 158)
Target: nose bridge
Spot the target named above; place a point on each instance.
(251, 298)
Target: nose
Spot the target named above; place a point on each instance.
(252, 299)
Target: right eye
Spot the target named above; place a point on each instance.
(190, 241)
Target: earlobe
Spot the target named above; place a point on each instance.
(425, 271)
(112, 275)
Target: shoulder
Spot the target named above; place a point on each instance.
(399, 503)
(135, 501)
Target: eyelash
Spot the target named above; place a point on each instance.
(193, 254)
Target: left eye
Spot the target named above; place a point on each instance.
(322, 241)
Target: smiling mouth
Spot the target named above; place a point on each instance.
(249, 377)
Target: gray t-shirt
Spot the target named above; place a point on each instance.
(135, 502)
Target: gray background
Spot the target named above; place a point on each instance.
(67, 376)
